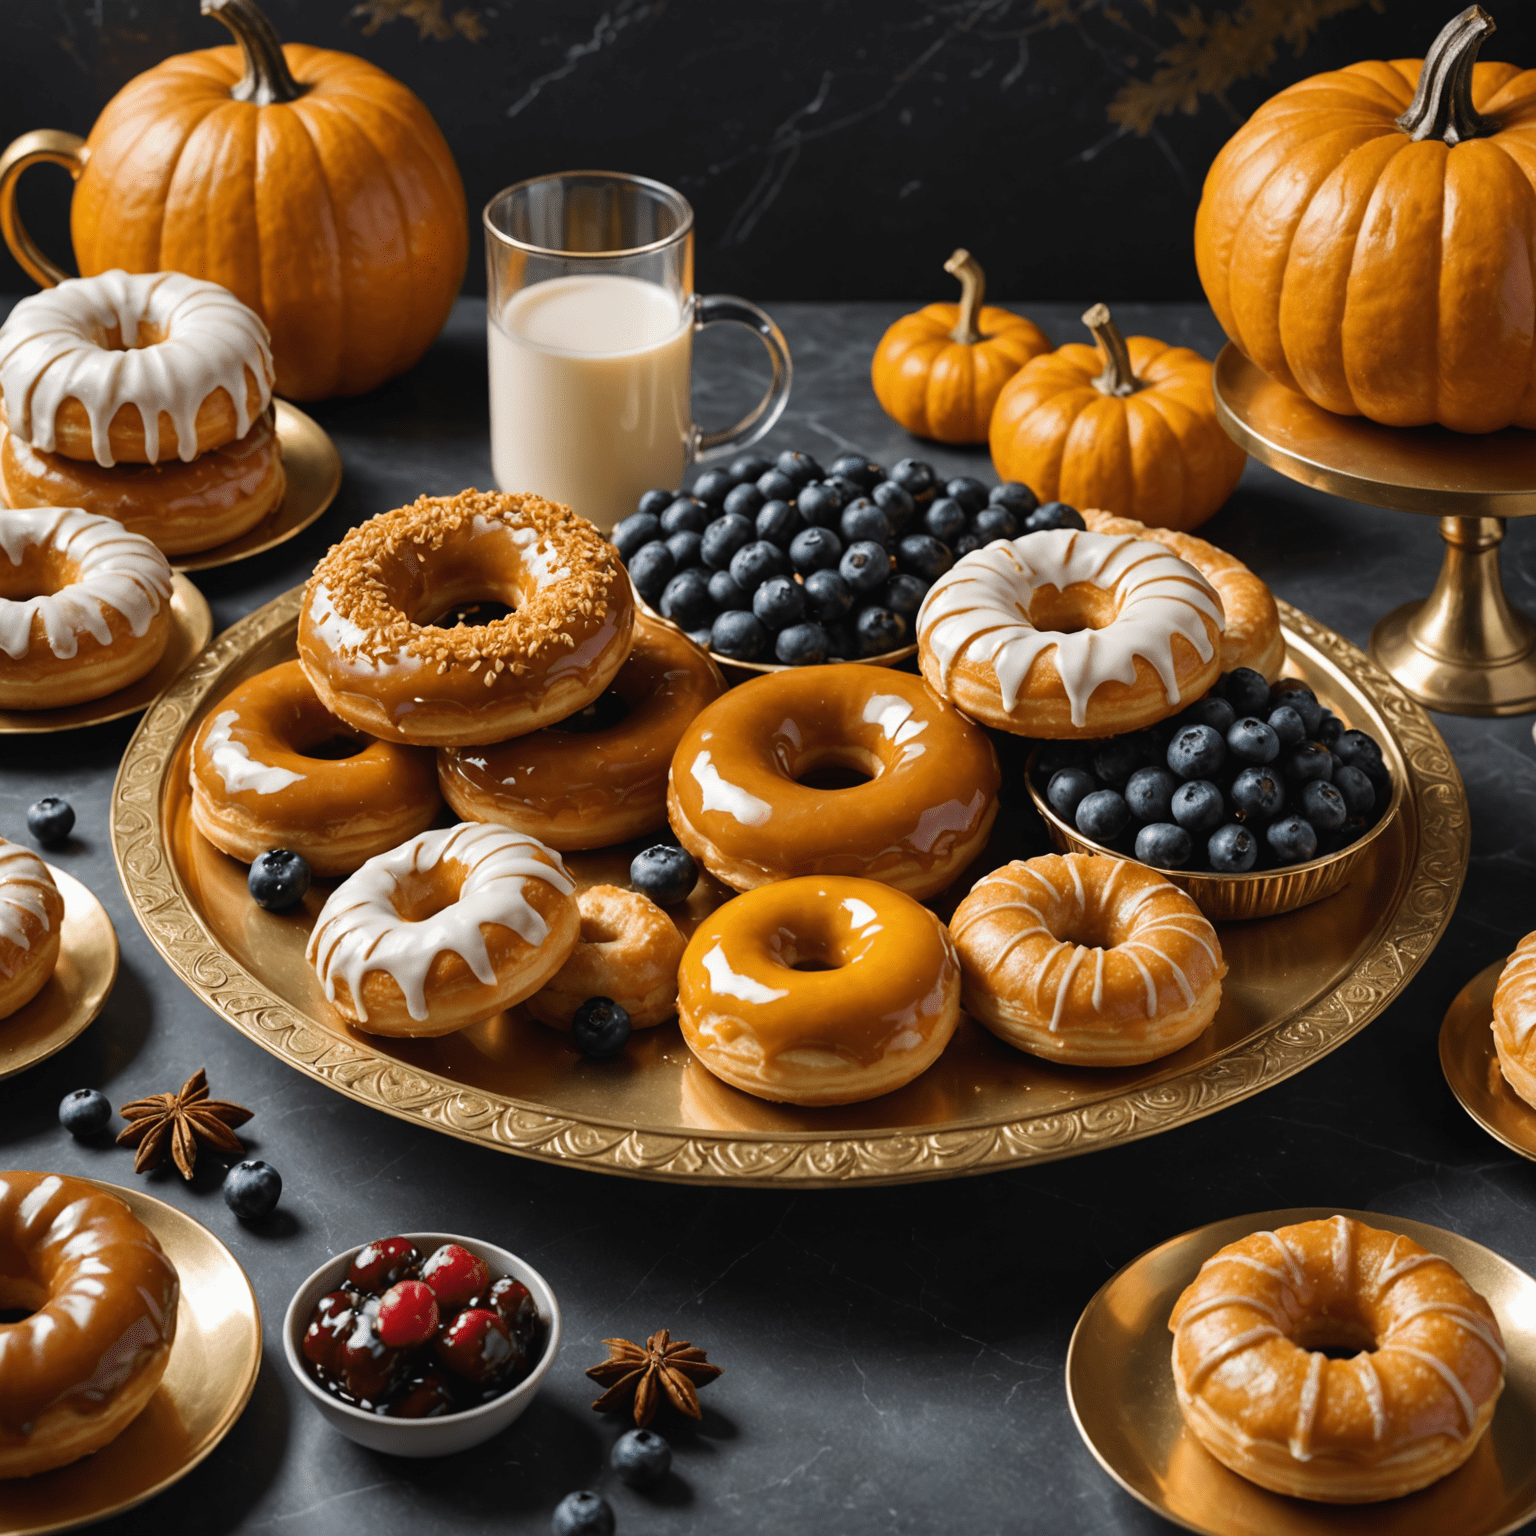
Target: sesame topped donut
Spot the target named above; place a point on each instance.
(377, 661)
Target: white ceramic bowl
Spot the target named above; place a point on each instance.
(422, 1437)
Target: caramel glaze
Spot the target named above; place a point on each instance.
(255, 785)
(106, 1298)
(576, 788)
(736, 804)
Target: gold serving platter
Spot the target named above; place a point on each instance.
(1299, 986)
(1120, 1388)
(1471, 1066)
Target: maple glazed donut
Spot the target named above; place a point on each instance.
(1094, 961)
(103, 1298)
(1258, 1392)
(821, 990)
(273, 768)
(85, 607)
(1070, 634)
(582, 783)
(376, 666)
(444, 930)
(31, 912)
(1514, 1020)
(737, 803)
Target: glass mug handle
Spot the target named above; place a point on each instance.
(711, 308)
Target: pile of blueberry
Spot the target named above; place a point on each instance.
(781, 560)
(1249, 776)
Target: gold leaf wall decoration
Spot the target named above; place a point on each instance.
(431, 22)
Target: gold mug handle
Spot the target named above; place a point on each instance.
(57, 148)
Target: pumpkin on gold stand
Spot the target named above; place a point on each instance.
(938, 372)
(1128, 425)
(311, 184)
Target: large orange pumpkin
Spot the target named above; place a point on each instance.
(1368, 238)
(311, 184)
(1128, 425)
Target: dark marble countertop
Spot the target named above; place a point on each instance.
(894, 1356)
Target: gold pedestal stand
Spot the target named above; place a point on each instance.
(1463, 649)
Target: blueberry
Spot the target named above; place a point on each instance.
(1324, 806)
(862, 520)
(713, 486)
(1066, 790)
(1251, 741)
(1232, 850)
(50, 821)
(969, 492)
(744, 500)
(1258, 793)
(879, 630)
(779, 602)
(687, 548)
(1353, 747)
(748, 466)
(777, 486)
(686, 600)
(665, 873)
(1198, 806)
(799, 467)
(738, 635)
(819, 505)
(945, 519)
(1291, 840)
(842, 641)
(637, 529)
(923, 556)
(865, 565)
(1358, 791)
(966, 544)
(1165, 845)
(815, 549)
(1102, 815)
(827, 597)
(993, 523)
(600, 1027)
(1052, 756)
(724, 593)
(1197, 752)
(640, 1458)
(1246, 691)
(685, 515)
(651, 567)
(847, 490)
(778, 522)
(1053, 514)
(582, 1514)
(1149, 793)
(700, 637)
(895, 502)
(252, 1189)
(1212, 711)
(903, 594)
(1329, 728)
(1299, 697)
(85, 1112)
(1115, 760)
(278, 880)
(858, 469)
(723, 538)
(654, 503)
(1306, 763)
(1014, 495)
(1288, 726)
(915, 477)
(801, 645)
(754, 563)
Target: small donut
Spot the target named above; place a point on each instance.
(376, 665)
(1252, 637)
(822, 990)
(1070, 634)
(628, 951)
(1094, 961)
(738, 800)
(1514, 1020)
(103, 1300)
(85, 607)
(584, 782)
(445, 930)
(1259, 1393)
(271, 768)
(31, 913)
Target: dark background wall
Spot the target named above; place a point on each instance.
(832, 148)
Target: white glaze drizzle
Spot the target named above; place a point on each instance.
(1447, 1375)
(1343, 1249)
(1371, 1383)
(1306, 1407)
(979, 610)
(724, 981)
(1463, 1317)
(24, 882)
(717, 793)
(359, 930)
(52, 350)
(1226, 1299)
(1229, 1347)
(1390, 1272)
(1515, 999)
(233, 763)
(115, 569)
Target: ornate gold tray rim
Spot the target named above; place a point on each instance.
(803, 1159)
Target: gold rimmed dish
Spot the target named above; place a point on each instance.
(1119, 1381)
(1471, 1066)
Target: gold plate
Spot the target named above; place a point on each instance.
(313, 467)
(191, 630)
(1120, 1389)
(210, 1378)
(1299, 986)
(1471, 1066)
(77, 990)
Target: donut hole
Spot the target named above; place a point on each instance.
(1066, 610)
(473, 612)
(146, 334)
(606, 711)
(833, 767)
(420, 894)
(1090, 929)
(20, 1297)
(40, 573)
(1340, 1338)
(334, 748)
(599, 928)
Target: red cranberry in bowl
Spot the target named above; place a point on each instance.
(368, 1367)
(329, 1326)
(476, 1345)
(456, 1275)
(383, 1263)
(408, 1314)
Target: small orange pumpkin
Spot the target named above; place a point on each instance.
(938, 372)
(1129, 427)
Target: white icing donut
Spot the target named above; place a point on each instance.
(53, 349)
(31, 915)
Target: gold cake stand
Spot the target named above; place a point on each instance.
(1463, 649)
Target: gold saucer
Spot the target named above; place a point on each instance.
(1120, 1389)
(211, 1376)
(191, 630)
(1471, 1066)
(77, 990)
(313, 467)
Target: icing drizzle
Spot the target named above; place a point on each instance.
(24, 883)
(233, 763)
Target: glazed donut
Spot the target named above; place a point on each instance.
(377, 667)
(1252, 637)
(271, 768)
(134, 368)
(1069, 634)
(737, 800)
(103, 1298)
(585, 783)
(822, 990)
(1514, 1020)
(182, 508)
(1094, 961)
(85, 607)
(628, 951)
(31, 912)
(1258, 1392)
(445, 930)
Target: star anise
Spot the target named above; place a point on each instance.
(644, 1374)
(177, 1123)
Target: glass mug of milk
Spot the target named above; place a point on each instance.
(591, 322)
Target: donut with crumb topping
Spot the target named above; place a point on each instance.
(369, 644)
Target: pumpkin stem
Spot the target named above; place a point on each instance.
(267, 76)
(973, 288)
(1442, 106)
(1117, 377)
